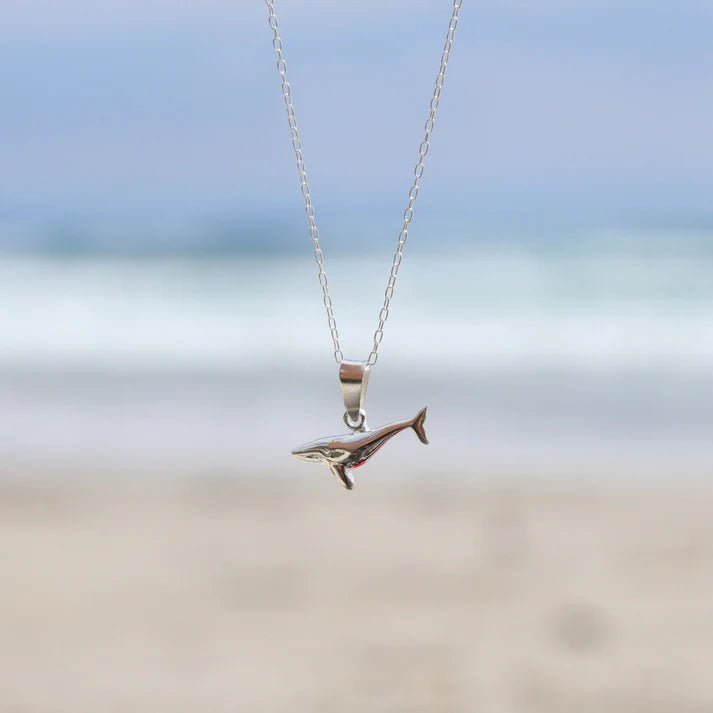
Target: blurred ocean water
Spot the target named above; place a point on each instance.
(535, 358)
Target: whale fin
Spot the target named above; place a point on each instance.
(417, 425)
(343, 474)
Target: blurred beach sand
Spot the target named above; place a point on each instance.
(251, 597)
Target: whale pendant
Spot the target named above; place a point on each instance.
(343, 453)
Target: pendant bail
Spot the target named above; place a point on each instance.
(354, 380)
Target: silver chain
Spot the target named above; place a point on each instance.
(412, 194)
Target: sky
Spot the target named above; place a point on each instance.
(591, 110)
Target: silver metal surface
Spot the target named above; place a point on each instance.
(412, 194)
(343, 453)
(357, 425)
(354, 380)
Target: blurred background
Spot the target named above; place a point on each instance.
(163, 346)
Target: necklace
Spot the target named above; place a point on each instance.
(343, 453)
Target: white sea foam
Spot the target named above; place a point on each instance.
(469, 311)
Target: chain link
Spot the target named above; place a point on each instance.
(304, 185)
(412, 194)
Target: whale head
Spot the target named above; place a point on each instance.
(320, 452)
(327, 454)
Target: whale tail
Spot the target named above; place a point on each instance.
(417, 425)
